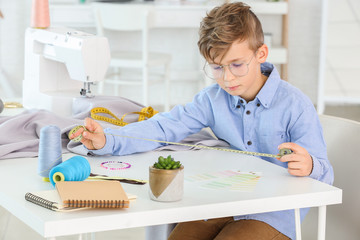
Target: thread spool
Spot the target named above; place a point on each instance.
(50, 150)
(1, 106)
(40, 17)
(76, 168)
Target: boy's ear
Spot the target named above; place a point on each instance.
(262, 53)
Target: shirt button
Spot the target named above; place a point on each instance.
(238, 106)
(249, 143)
(248, 112)
(242, 101)
(258, 104)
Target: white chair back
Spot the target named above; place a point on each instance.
(128, 18)
(342, 137)
(123, 17)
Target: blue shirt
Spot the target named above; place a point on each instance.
(279, 113)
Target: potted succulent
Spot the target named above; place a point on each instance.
(166, 180)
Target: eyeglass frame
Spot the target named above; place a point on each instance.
(229, 66)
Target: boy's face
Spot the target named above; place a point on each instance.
(250, 80)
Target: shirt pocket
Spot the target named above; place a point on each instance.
(270, 141)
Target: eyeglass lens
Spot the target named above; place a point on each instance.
(237, 69)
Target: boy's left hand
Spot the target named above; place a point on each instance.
(299, 162)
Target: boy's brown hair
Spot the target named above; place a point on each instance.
(226, 24)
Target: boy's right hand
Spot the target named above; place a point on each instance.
(94, 138)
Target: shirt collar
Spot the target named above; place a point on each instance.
(269, 89)
(267, 92)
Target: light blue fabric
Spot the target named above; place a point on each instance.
(279, 113)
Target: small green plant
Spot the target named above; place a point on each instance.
(167, 163)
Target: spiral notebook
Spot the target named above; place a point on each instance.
(70, 196)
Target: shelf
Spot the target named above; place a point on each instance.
(169, 14)
(263, 7)
(71, 15)
(334, 100)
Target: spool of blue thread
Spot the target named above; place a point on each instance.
(50, 150)
(76, 168)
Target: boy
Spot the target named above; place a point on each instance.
(250, 107)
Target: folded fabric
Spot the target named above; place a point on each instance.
(20, 134)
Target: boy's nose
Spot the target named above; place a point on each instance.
(228, 75)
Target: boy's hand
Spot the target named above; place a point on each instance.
(93, 138)
(299, 162)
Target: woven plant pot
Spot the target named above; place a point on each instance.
(166, 185)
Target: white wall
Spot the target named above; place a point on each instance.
(16, 18)
(304, 42)
(343, 50)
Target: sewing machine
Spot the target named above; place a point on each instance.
(60, 66)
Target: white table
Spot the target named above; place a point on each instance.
(276, 190)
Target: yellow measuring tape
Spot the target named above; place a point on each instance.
(145, 113)
(282, 152)
(13, 105)
(148, 112)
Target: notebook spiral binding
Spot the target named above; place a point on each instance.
(96, 203)
(40, 201)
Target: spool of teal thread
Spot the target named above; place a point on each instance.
(76, 168)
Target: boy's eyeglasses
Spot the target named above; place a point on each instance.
(238, 69)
